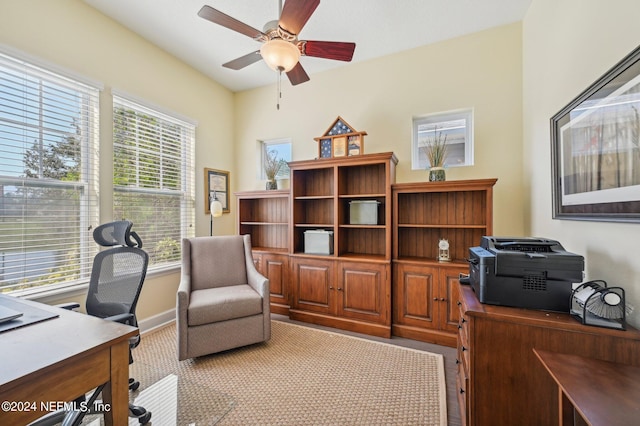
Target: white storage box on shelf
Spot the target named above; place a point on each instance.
(318, 241)
(363, 212)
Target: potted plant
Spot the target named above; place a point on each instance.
(436, 150)
(272, 165)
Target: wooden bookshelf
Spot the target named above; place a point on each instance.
(424, 290)
(265, 216)
(349, 288)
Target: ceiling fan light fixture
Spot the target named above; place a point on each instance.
(280, 54)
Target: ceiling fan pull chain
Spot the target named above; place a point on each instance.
(279, 89)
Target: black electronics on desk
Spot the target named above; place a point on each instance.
(535, 273)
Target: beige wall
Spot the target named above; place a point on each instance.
(482, 71)
(567, 45)
(515, 77)
(71, 35)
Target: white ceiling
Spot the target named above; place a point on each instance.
(378, 27)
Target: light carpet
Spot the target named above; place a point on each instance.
(304, 376)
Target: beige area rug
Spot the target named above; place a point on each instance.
(302, 376)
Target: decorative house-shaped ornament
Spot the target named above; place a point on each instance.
(340, 140)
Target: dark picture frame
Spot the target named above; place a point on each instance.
(595, 149)
(216, 181)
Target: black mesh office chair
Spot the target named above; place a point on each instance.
(117, 276)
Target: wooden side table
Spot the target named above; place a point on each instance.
(600, 392)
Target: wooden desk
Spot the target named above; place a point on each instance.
(58, 360)
(501, 381)
(602, 392)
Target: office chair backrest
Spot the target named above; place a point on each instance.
(118, 272)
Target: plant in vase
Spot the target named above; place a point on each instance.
(436, 150)
(272, 165)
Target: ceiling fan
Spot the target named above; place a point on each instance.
(281, 48)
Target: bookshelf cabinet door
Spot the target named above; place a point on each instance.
(364, 291)
(415, 296)
(448, 309)
(313, 283)
(276, 268)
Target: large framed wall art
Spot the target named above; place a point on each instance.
(595, 149)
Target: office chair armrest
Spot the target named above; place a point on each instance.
(68, 306)
(121, 318)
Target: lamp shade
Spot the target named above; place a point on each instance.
(280, 54)
(216, 208)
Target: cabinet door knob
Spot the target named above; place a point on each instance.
(435, 299)
(339, 288)
(463, 349)
(442, 299)
(459, 303)
(461, 390)
(330, 288)
(457, 361)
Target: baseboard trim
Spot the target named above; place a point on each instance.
(157, 321)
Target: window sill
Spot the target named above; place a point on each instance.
(53, 295)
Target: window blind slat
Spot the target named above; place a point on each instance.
(153, 177)
(48, 177)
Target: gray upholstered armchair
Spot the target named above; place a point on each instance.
(223, 301)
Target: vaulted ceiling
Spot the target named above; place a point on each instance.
(378, 27)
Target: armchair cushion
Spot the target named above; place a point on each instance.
(217, 262)
(223, 303)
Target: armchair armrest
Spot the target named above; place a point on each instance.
(183, 295)
(258, 282)
(184, 291)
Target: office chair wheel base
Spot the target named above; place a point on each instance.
(140, 413)
(133, 384)
(145, 419)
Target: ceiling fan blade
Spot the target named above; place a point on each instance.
(340, 51)
(243, 61)
(297, 75)
(217, 17)
(296, 13)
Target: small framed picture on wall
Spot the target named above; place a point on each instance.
(216, 184)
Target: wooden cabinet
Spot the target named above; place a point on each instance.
(350, 288)
(275, 267)
(425, 302)
(362, 292)
(313, 286)
(425, 290)
(265, 216)
(499, 378)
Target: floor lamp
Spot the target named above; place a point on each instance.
(215, 208)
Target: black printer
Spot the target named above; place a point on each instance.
(528, 272)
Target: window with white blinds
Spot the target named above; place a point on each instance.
(48, 177)
(153, 177)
